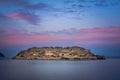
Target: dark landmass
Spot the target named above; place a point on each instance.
(1, 55)
(58, 53)
(113, 57)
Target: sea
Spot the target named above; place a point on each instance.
(108, 69)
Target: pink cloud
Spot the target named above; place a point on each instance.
(14, 15)
(25, 39)
(101, 30)
(99, 35)
(95, 36)
(29, 17)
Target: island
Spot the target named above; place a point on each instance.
(1, 55)
(58, 53)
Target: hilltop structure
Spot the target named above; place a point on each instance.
(57, 53)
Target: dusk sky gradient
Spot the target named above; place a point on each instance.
(92, 24)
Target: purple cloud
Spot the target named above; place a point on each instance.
(23, 10)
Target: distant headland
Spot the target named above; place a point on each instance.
(58, 53)
(1, 55)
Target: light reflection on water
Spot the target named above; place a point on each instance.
(60, 70)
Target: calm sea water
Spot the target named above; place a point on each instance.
(60, 70)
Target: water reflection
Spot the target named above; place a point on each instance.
(60, 70)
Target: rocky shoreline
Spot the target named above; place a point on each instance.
(58, 53)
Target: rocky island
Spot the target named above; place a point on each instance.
(58, 53)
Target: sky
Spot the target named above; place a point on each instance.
(92, 24)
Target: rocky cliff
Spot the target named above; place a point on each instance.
(57, 53)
